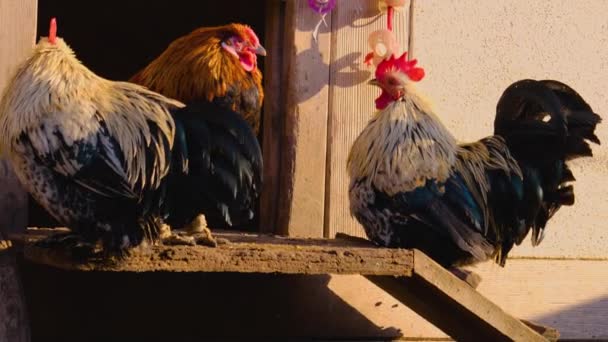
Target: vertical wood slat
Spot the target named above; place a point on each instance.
(17, 37)
(351, 100)
(301, 200)
(274, 105)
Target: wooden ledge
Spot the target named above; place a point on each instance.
(246, 253)
(408, 275)
(456, 308)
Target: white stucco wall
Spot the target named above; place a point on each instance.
(472, 50)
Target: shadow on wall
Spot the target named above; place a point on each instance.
(348, 70)
(583, 321)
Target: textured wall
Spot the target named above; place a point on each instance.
(472, 50)
(17, 29)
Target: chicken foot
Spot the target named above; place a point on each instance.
(195, 233)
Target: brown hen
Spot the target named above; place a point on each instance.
(217, 64)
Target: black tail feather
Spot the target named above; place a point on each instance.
(545, 124)
(224, 167)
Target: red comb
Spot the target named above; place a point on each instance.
(53, 31)
(400, 64)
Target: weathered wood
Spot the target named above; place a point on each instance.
(17, 36)
(246, 253)
(351, 100)
(301, 201)
(274, 106)
(452, 305)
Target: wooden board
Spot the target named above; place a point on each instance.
(569, 295)
(17, 36)
(246, 253)
(301, 200)
(351, 100)
(452, 306)
(274, 105)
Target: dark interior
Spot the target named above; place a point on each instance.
(117, 38)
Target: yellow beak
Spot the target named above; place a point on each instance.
(374, 82)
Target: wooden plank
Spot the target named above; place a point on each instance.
(17, 37)
(246, 253)
(351, 100)
(452, 305)
(302, 197)
(274, 104)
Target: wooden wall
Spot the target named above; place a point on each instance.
(352, 100)
(472, 50)
(17, 34)
(17, 30)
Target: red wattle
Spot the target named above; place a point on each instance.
(384, 100)
(248, 60)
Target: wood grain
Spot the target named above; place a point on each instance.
(453, 306)
(351, 100)
(17, 36)
(246, 253)
(303, 144)
(274, 106)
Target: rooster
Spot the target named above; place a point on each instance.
(412, 185)
(112, 160)
(217, 64)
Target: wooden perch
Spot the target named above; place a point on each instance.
(451, 305)
(408, 275)
(246, 253)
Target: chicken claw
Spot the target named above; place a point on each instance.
(195, 233)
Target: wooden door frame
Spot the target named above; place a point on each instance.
(295, 120)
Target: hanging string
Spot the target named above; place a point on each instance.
(322, 7)
(383, 43)
(390, 12)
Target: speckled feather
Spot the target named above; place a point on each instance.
(93, 152)
(412, 186)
